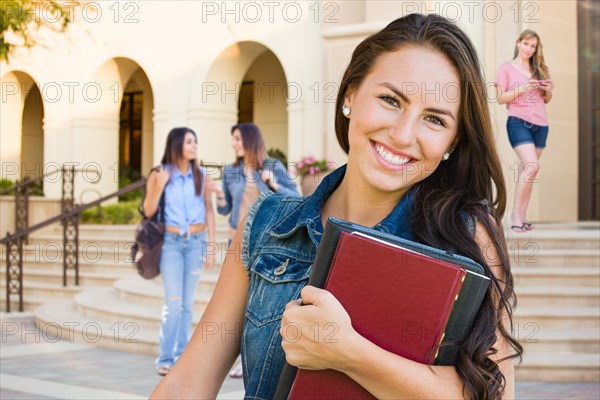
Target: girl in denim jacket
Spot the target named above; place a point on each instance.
(413, 117)
(251, 174)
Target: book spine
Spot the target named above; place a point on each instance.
(318, 277)
(461, 318)
(325, 255)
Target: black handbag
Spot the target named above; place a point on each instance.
(149, 236)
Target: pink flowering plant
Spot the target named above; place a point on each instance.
(309, 165)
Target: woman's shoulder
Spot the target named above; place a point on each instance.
(272, 161)
(267, 212)
(505, 65)
(478, 211)
(231, 167)
(275, 204)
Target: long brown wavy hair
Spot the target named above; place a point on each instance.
(538, 66)
(469, 183)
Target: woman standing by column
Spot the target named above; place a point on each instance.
(188, 213)
(524, 85)
(251, 174)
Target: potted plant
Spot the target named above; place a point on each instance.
(311, 171)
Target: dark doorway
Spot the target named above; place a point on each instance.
(246, 102)
(588, 17)
(130, 135)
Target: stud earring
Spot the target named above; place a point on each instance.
(446, 156)
(346, 110)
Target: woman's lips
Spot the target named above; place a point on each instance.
(389, 158)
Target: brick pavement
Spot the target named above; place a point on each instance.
(35, 366)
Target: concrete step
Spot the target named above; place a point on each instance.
(36, 253)
(94, 230)
(120, 268)
(94, 251)
(150, 293)
(104, 304)
(548, 277)
(553, 318)
(55, 276)
(30, 302)
(556, 367)
(558, 296)
(111, 233)
(112, 243)
(583, 341)
(124, 230)
(43, 291)
(533, 256)
(61, 318)
(549, 237)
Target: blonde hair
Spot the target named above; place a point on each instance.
(539, 69)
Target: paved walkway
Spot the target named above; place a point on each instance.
(33, 365)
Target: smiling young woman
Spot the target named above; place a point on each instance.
(422, 164)
(524, 85)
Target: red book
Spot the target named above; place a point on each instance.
(397, 298)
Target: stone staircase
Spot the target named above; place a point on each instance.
(557, 281)
(556, 269)
(112, 307)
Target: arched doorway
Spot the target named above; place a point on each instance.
(263, 100)
(22, 140)
(135, 128)
(103, 127)
(245, 83)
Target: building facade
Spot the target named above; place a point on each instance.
(104, 94)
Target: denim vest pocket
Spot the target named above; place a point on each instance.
(275, 280)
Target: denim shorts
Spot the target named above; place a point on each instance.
(522, 132)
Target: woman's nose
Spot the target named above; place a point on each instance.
(403, 131)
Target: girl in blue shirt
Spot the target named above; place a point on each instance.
(188, 214)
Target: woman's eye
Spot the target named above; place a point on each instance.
(390, 100)
(434, 119)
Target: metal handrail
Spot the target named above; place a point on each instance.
(125, 189)
(70, 220)
(29, 182)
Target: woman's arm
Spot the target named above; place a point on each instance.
(201, 369)
(154, 187)
(210, 223)
(281, 181)
(547, 89)
(384, 374)
(507, 367)
(224, 200)
(506, 96)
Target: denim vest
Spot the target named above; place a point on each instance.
(280, 241)
(234, 182)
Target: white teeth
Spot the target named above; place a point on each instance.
(389, 157)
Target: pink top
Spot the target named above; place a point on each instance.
(530, 105)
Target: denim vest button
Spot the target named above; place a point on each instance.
(281, 269)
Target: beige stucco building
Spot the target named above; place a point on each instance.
(108, 90)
